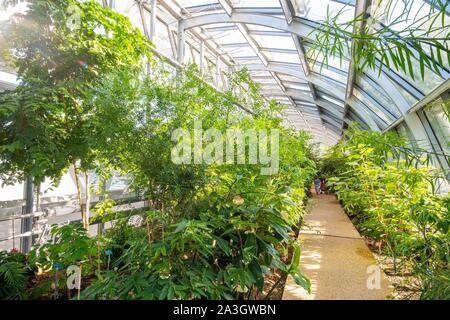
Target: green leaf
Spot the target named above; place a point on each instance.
(170, 292)
(223, 245)
(280, 230)
(257, 273)
(164, 291)
(302, 281)
(295, 261)
(422, 68)
(181, 225)
(408, 60)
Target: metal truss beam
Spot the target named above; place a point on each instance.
(289, 12)
(360, 9)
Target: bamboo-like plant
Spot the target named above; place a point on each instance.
(390, 34)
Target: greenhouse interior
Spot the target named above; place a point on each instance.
(224, 150)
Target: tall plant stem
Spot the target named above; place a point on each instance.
(274, 286)
(79, 285)
(148, 231)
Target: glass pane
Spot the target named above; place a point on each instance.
(195, 3)
(227, 36)
(296, 86)
(285, 77)
(242, 52)
(255, 3)
(282, 57)
(372, 107)
(316, 58)
(316, 10)
(266, 81)
(268, 41)
(440, 124)
(329, 98)
(260, 74)
(408, 96)
(373, 90)
(162, 40)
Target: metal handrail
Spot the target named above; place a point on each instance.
(21, 235)
(22, 216)
(38, 214)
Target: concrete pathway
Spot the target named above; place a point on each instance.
(335, 258)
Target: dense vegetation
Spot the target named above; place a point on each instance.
(214, 231)
(391, 192)
(85, 100)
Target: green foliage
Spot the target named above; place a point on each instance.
(14, 276)
(71, 246)
(50, 121)
(330, 166)
(391, 194)
(215, 231)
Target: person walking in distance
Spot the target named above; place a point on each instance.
(322, 185)
(317, 184)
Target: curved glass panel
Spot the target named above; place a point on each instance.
(373, 108)
(317, 10)
(278, 63)
(374, 91)
(439, 121)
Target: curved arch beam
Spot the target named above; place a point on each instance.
(300, 29)
(337, 90)
(334, 109)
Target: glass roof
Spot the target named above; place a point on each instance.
(257, 34)
(316, 10)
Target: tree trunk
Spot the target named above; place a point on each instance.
(38, 196)
(88, 200)
(77, 182)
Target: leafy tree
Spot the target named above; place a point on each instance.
(61, 51)
(213, 231)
